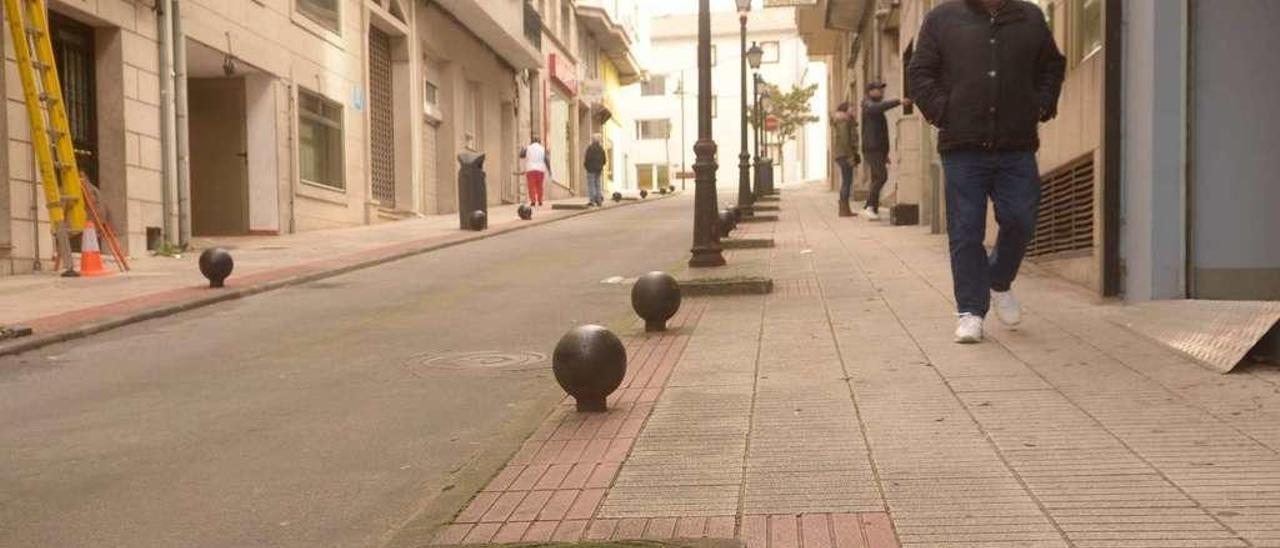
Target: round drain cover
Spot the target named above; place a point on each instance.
(482, 359)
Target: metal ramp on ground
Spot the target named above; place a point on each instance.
(1217, 334)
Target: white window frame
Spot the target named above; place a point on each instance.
(307, 116)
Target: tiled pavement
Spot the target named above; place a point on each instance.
(837, 412)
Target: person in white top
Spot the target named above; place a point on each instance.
(536, 170)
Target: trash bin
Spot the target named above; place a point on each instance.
(766, 176)
(473, 194)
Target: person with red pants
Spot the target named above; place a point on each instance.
(536, 170)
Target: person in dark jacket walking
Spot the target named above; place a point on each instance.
(844, 147)
(986, 72)
(875, 142)
(594, 163)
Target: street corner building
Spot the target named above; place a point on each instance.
(1158, 180)
(298, 115)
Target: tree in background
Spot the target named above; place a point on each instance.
(793, 111)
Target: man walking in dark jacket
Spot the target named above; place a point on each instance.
(986, 72)
(594, 163)
(875, 142)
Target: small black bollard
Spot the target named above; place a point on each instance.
(479, 220)
(727, 223)
(617, 196)
(525, 212)
(662, 190)
(644, 194)
(589, 363)
(472, 189)
(656, 298)
(216, 265)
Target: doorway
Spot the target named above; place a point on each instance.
(219, 157)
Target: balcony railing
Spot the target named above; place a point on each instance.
(532, 25)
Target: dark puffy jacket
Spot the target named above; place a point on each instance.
(595, 158)
(986, 81)
(875, 126)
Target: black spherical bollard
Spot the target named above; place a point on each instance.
(644, 194)
(216, 265)
(589, 363)
(656, 298)
(479, 220)
(525, 212)
(662, 190)
(617, 196)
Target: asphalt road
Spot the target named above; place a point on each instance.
(330, 414)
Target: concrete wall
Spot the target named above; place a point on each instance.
(128, 129)
(1234, 189)
(1153, 181)
(461, 57)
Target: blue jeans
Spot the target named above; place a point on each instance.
(1011, 180)
(846, 178)
(593, 189)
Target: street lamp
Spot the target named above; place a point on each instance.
(745, 198)
(706, 239)
(754, 56)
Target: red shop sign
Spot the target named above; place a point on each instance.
(564, 73)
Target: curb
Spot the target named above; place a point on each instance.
(760, 219)
(746, 243)
(27, 344)
(705, 287)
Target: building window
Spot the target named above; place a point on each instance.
(566, 21)
(653, 129)
(650, 176)
(772, 52)
(1086, 22)
(473, 117)
(656, 85)
(431, 91)
(320, 140)
(324, 12)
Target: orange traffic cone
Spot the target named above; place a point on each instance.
(90, 252)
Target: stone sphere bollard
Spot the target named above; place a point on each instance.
(525, 212)
(617, 196)
(216, 265)
(644, 194)
(589, 363)
(656, 298)
(479, 220)
(727, 223)
(662, 190)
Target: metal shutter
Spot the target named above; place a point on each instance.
(382, 127)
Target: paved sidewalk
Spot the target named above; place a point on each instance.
(837, 412)
(59, 308)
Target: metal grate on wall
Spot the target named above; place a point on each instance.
(381, 111)
(1066, 210)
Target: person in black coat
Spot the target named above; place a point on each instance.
(986, 73)
(594, 164)
(875, 142)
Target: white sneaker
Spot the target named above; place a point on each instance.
(870, 214)
(969, 329)
(1007, 307)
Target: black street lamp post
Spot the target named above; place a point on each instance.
(706, 240)
(754, 56)
(745, 197)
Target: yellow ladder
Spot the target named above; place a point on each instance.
(50, 131)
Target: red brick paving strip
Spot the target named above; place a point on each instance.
(553, 486)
